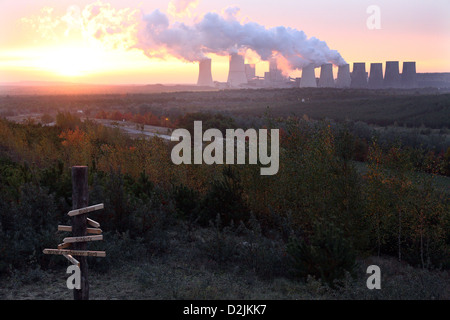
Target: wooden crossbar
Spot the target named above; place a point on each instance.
(89, 230)
(86, 210)
(82, 239)
(93, 223)
(83, 253)
(72, 259)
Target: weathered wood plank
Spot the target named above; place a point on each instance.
(89, 230)
(94, 230)
(64, 245)
(76, 252)
(72, 259)
(93, 223)
(82, 239)
(86, 210)
(64, 228)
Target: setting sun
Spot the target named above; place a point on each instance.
(69, 62)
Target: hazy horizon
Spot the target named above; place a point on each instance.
(133, 43)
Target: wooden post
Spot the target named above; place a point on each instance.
(80, 199)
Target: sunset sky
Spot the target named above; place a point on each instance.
(100, 42)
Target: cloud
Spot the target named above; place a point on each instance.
(223, 34)
(214, 33)
(46, 24)
(180, 8)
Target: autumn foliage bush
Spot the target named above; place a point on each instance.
(387, 208)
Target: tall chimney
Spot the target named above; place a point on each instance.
(359, 75)
(308, 77)
(236, 74)
(392, 75)
(376, 76)
(326, 79)
(250, 71)
(409, 75)
(343, 78)
(204, 74)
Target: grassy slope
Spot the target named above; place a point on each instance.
(184, 272)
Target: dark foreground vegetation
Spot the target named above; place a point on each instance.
(311, 230)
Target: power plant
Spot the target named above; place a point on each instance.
(392, 75)
(242, 75)
(250, 71)
(236, 74)
(343, 77)
(308, 79)
(326, 79)
(204, 74)
(409, 76)
(376, 76)
(359, 75)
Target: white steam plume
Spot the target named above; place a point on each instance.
(216, 33)
(223, 35)
(181, 8)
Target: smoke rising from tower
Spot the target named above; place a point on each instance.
(157, 36)
(224, 35)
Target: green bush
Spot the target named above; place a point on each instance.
(186, 201)
(327, 256)
(225, 197)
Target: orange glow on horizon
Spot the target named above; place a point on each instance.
(44, 44)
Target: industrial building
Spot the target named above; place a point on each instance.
(409, 75)
(326, 79)
(242, 75)
(376, 76)
(308, 79)
(343, 77)
(236, 74)
(392, 75)
(204, 74)
(359, 75)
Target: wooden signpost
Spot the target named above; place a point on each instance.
(77, 244)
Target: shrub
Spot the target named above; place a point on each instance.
(186, 201)
(225, 197)
(327, 256)
(262, 255)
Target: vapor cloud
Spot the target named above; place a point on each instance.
(182, 7)
(214, 33)
(223, 34)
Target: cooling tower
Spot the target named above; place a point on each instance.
(392, 75)
(343, 77)
(326, 79)
(409, 77)
(236, 74)
(250, 71)
(359, 75)
(204, 74)
(273, 65)
(308, 77)
(376, 76)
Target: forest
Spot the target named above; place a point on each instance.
(362, 176)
